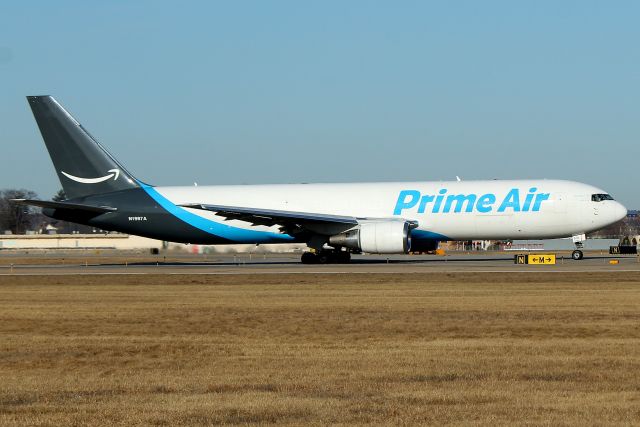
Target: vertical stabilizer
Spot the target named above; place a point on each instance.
(83, 166)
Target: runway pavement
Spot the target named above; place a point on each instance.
(78, 264)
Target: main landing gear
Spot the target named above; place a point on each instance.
(326, 257)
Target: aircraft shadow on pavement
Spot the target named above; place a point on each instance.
(354, 261)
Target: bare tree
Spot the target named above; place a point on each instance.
(59, 196)
(16, 217)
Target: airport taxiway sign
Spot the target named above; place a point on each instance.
(537, 259)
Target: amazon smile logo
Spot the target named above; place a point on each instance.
(115, 173)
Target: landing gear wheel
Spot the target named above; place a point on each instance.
(323, 258)
(577, 255)
(309, 258)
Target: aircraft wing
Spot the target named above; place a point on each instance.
(65, 205)
(286, 219)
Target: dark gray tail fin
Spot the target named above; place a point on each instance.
(82, 164)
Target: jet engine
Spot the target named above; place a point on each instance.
(377, 237)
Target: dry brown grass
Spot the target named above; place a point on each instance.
(109, 256)
(499, 349)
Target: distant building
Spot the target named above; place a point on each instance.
(54, 226)
(48, 242)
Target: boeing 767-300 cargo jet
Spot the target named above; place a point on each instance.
(334, 220)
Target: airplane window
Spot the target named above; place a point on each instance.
(600, 197)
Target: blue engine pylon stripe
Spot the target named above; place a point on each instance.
(428, 235)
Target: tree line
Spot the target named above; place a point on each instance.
(17, 218)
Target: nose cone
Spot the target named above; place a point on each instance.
(618, 211)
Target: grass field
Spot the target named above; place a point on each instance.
(499, 349)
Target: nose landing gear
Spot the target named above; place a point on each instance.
(578, 241)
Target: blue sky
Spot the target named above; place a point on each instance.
(289, 91)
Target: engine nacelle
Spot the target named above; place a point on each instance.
(377, 237)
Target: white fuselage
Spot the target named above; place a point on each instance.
(467, 210)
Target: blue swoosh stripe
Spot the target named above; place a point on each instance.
(215, 228)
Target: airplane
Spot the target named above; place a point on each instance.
(334, 220)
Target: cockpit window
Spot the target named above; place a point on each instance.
(600, 197)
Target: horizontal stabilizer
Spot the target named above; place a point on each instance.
(65, 205)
